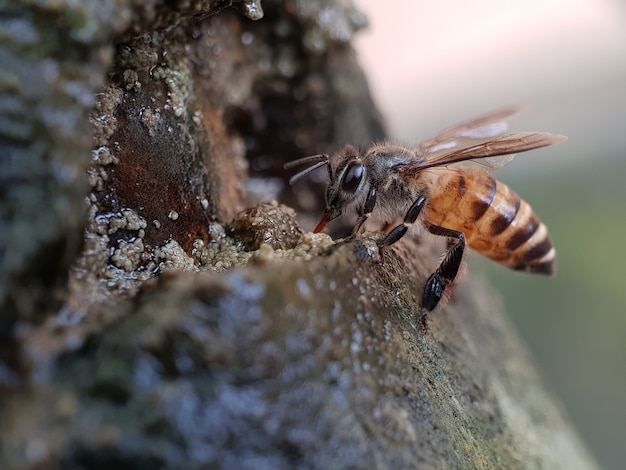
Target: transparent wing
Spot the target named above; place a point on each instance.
(485, 163)
(491, 153)
(488, 126)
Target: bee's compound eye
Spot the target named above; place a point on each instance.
(352, 176)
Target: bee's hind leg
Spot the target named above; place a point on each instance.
(435, 287)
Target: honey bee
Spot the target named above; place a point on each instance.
(443, 183)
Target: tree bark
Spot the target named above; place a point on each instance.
(161, 324)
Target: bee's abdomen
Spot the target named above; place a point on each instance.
(495, 220)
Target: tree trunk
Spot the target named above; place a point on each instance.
(155, 323)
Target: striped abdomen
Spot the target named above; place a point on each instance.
(495, 220)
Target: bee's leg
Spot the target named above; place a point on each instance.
(435, 286)
(400, 230)
(364, 212)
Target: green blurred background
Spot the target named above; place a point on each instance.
(433, 64)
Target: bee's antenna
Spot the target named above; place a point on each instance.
(317, 160)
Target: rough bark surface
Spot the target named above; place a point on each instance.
(150, 320)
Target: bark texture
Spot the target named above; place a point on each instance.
(156, 314)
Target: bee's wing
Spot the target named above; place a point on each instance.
(488, 126)
(492, 152)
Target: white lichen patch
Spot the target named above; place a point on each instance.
(117, 260)
(103, 156)
(95, 253)
(313, 241)
(104, 125)
(221, 253)
(310, 246)
(265, 254)
(94, 179)
(103, 118)
(224, 253)
(97, 175)
(150, 118)
(217, 233)
(128, 255)
(133, 220)
(177, 82)
(131, 80)
(121, 264)
(127, 220)
(173, 256)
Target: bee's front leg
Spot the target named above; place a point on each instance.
(364, 212)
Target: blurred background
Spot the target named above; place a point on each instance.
(433, 64)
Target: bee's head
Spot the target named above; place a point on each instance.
(347, 186)
(348, 183)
